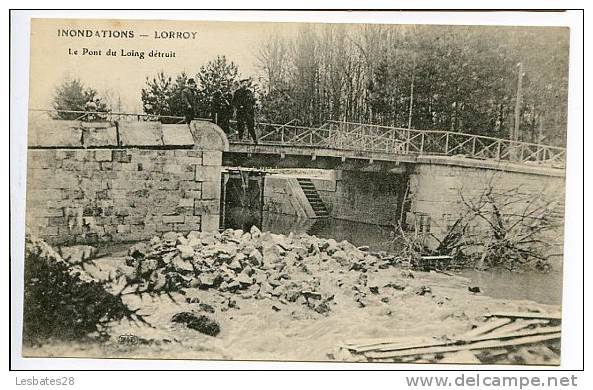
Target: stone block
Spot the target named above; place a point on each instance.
(210, 223)
(72, 165)
(134, 220)
(140, 133)
(207, 173)
(193, 194)
(49, 231)
(54, 133)
(184, 210)
(161, 227)
(193, 219)
(211, 190)
(36, 222)
(102, 155)
(45, 194)
(56, 221)
(186, 202)
(171, 185)
(173, 168)
(173, 219)
(190, 185)
(65, 154)
(102, 134)
(121, 156)
(122, 229)
(211, 158)
(177, 135)
(208, 136)
(195, 153)
(188, 161)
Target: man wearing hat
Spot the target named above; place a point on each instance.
(189, 96)
(244, 103)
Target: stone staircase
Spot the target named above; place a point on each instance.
(313, 197)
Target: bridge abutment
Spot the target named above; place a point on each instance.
(369, 197)
(440, 191)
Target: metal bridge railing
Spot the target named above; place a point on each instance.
(360, 136)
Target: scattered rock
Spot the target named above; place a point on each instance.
(78, 253)
(201, 323)
(186, 251)
(424, 290)
(206, 307)
(253, 264)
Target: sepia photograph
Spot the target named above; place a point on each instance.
(295, 191)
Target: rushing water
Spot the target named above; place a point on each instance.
(534, 286)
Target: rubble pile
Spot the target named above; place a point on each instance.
(251, 264)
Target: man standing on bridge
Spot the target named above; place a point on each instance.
(221, 110)
(189, 96)
(244, 102)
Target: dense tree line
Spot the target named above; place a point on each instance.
(458, 78)
(162, 93)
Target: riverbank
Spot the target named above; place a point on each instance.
(336, 300)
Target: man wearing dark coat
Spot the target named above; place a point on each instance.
(221, 110)
(189, 96)
(244, 103)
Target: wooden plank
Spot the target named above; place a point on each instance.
(487, 327)
(460, 342)
(530, 332)
(442, 257)
(371, 344)
(527, 315)
(404, 346)
(473, 346)
(518, 325)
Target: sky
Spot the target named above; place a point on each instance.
(53, 61)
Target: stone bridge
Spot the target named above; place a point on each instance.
(383, 175)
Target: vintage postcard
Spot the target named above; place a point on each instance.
(347, 192)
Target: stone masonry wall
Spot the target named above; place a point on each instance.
(368, 197)
(435, 190)
(123, 192)
(281, 196)
(98, 195)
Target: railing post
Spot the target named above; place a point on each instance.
(422, 144)
(407, 141)
(446, 143)
(498, 150)
(474, 147)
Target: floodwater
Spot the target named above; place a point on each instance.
(532, 286)
(545, 288)
(378, 238)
